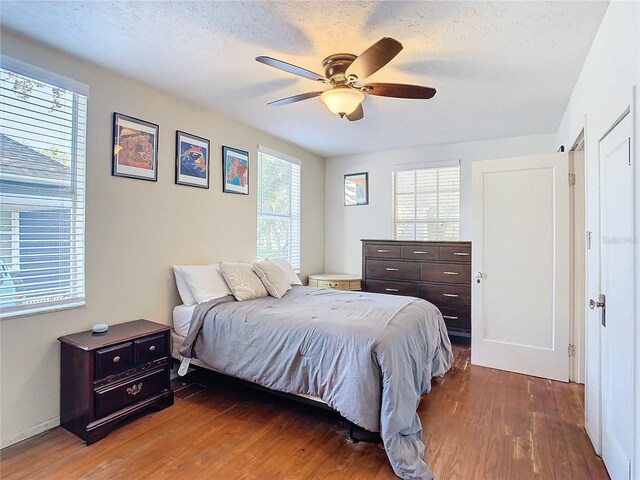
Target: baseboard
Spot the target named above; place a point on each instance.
(31, 432)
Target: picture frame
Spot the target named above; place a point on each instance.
(356, 189)
(134, 148)
(235, 171)
(192, 160)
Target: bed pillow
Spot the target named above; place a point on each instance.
(243, 281)
(288, 269)
(273, 277)
(205, 282)
(183, 288)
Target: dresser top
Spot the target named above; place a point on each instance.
(346, 277)
(116, 334)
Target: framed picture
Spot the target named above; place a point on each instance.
(235, 171)
(192, 160)
(356, 189)
(135, 148)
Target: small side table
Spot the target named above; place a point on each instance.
(339, 281)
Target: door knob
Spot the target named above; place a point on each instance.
(599, 303)
(478, 276)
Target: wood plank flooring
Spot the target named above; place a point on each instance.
(478, 423)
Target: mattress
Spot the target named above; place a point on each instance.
(182, 319)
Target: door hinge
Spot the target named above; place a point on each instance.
(572, 179)
(572, 350)
(588, 240)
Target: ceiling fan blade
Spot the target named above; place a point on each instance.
(287, 67)
(357, 114)
(399, 90)
(295, 98)
(374, 58)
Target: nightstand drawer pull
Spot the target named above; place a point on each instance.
(450, 273)
(116, 359)
(389, 269)
(461, 254)
(450, 295)
(391, 289)
(421, 253)
(449, 317)
(383, 251)
(135, 389)
(152, 348)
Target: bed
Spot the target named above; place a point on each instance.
(368, 356)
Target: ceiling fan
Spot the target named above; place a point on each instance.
(343, 71)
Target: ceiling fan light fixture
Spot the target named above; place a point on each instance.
(342, 101)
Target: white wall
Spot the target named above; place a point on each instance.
(602, 93)
(346, 226)
(137, 229)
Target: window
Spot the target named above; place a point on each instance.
(278, 207)
(42, 190)
(426, 204)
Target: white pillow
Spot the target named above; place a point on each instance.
(183, 288)
(205, 282)
(273, 277)
(243, 281)
(288, 269)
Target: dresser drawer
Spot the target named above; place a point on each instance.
(445, 272)
(112, 360)
(393, 288)
(393, 270)
(149, 349)
(383, 251)
(447, 295)
(421, 253)
(120, 396)
(456, 318)
(455, 254)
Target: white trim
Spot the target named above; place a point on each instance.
(282, 156)
(31, 432)
(423, 165)
(37, 73)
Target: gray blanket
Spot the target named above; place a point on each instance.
(368, 356)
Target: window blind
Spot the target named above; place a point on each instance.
(278, 207)
(426, 204)
(42, 192)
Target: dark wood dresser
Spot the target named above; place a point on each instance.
(439, 272)
(107, 378)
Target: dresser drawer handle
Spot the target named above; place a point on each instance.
(424, 253)
(383, 251)
(152, 348)
(391, 289)
(450, 273)
(135, 389)
(450, 295)
(461, 254)
(116, 359)
(449, 317)
(388, 269)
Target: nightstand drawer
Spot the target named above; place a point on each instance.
(117, 397)
(149, 349)
(112, 360)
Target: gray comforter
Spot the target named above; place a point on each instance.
(368, 356)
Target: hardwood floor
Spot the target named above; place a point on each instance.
(479, 423)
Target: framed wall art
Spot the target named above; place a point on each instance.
(135, 148)
(356, 189)
(192, 160)
(235, 171)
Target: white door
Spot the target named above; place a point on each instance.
(618, 287)
(521, 245)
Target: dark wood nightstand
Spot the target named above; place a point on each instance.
(107, 378)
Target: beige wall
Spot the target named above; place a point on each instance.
(137, 229)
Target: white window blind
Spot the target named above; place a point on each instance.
(42, 191)
(278, 207)
(426, 204)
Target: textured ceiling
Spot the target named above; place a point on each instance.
(501, 68)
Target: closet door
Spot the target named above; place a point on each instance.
(521, 245)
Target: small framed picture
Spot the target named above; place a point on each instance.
(356, 189)
(235, 171)
(192, 160)
(135, 148)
